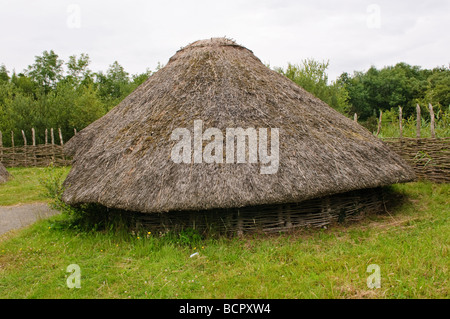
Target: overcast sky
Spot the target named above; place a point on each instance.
(351, 34)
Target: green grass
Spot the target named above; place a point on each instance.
(410, 245)
(25, 185)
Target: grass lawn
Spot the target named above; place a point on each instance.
(25, 185)
(410, 245)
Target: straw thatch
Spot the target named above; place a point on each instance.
(123, 159)
(4, 175)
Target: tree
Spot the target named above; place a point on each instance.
(138, 79)
(438, 88)
(114, 85)
(23, 84)
(78, 71)
(4, 74)
(311, 75)
(46, 71)
(390, 87)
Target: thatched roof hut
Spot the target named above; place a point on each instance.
(4, 175)
(123, 160)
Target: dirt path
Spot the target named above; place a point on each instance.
(18, 216)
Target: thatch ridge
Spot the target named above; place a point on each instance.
(4, 174)
(123, 159)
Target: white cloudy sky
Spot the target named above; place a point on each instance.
(351, 34)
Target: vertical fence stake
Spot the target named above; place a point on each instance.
(61, 140)
(400, 119)
(418, 121)
(60, 137)
(46, 136)
(288, 217)
(379, 123)
(240, 224)
(24, 138)
(25, 147)
(430, 108)
(13, 149)
(53, 144)
(355, 118)
(1, 147)
(33, 137)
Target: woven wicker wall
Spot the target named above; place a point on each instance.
(37, 156)
(34, 155)
(429, 157)
(319, 212)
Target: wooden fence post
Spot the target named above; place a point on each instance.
(355, 118)
(60, 137)
(33, 137)
(400, 119)
(46, 136)
(418, 120)
(1, 147)
(62, 144)
(430, 108)
(53, 144)
(13, 148)
(24, 138)
(25, 147)
(379, 123)
(240, 224)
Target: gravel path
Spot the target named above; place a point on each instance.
(18, 216)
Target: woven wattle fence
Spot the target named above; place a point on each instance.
(33, 155)
(36, 156)
(429, 157)
(319, 212)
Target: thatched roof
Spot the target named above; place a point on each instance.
(4, 175)
(123, 160)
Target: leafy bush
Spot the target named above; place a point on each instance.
(81, 217)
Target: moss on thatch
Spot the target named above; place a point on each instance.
(123, 159)
(4, 175)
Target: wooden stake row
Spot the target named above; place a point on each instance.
(33, 137)
(400, 119)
